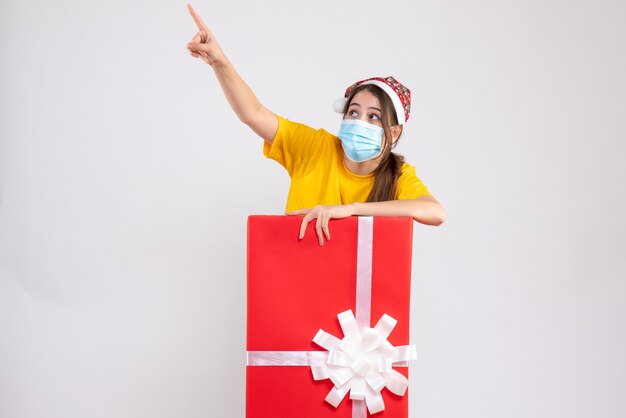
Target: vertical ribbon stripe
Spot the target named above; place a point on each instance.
(364, 271)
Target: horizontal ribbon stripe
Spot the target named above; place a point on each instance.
(293, 358)
(286, 358)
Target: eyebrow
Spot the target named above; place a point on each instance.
(371, 107)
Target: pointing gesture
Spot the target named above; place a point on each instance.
(240, 97)
(203, 44)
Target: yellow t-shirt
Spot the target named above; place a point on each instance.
(314, 161)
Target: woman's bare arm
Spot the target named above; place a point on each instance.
(240, 97)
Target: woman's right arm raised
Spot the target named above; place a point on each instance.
(242, 100)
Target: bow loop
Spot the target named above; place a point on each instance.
(361, 363)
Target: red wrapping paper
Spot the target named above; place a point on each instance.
(296, 287)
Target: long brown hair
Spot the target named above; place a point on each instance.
(390, 166)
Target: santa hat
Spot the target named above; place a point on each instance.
(400, 95)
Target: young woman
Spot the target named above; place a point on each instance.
(354, 173)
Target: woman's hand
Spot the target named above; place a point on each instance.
(424, 209)
(322, 214)
(204, 45)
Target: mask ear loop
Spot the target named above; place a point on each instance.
(385, 152)
(393, 144)
(388, 145)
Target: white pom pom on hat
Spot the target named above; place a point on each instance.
(400, 96)
(340, 104)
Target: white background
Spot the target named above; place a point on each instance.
(126, 180)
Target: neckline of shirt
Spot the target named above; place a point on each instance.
(358, 177)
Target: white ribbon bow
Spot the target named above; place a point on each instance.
(361, 363)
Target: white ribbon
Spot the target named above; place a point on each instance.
(360, 363)
(364, 259)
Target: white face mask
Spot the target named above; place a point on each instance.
(361, 141)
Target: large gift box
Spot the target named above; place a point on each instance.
(322, 337)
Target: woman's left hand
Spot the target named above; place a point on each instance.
(322, 214)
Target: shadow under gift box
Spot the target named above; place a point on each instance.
(296, 287)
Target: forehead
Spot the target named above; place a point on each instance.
(366, 99)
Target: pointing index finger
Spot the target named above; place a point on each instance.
(197, 19)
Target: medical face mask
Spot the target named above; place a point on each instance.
(361, 141)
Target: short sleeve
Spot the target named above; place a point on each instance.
(295, 146)
(409, 186)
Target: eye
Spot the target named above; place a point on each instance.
(374, 116)
(353, 113)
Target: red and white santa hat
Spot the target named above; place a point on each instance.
(400, 96)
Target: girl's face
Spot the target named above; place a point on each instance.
(366, 108)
